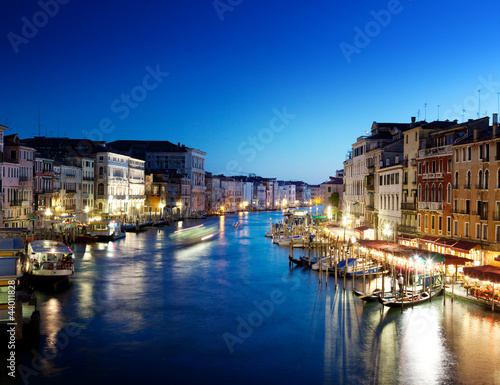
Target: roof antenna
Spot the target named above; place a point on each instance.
(425, 111)
(418, 115)
(438, 112)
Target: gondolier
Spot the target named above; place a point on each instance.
(401, 283)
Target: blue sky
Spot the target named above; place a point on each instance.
(281, 89)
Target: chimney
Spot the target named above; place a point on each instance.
(413, 119)
(495, 125)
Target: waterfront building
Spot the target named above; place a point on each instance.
(316, 194)
(435, 190)
(2, 197)
(116, 195)
(259, 199)
(302, 193)
(407, 230)
(357, 174)
(18, 152)
(286, 194)
(328, 188)
(213, 193)
(70, 193)
(164, 155)
(476, 191)
(10, 189)
(43, 188)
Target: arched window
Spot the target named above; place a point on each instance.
(419, 193)
(440, 193)
(426, 193)
(487, 179)
(100, 189)
(448, 194)
(433, 193)
(480, 179)
(100, 206)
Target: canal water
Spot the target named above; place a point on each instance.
(231, 311)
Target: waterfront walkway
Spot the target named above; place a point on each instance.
(462, 294)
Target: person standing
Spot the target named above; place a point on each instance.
(401, 283)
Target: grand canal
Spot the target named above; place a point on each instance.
(231, 311)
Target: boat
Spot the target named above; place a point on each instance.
(49, 262)
(409, 300)
(107, 229)
(363, 268)
(236, 224)
(285, 242)
(298, 262)
(195, 234)
(370, 297)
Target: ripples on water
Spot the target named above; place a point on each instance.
(146, 310)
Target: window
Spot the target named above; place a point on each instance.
(469, 153)
(440, 224)
(426, 193)
(497, 232)
(440, 193)
(466, 229)
(455, 205)
(467, 206)
(448, 193)
(406, 178)
(480, 179)
(478, 230)
(433, 193)
(419, 192)
(455, 228)
(433, 223)
(467, 183)
(426, 223)
(419, 219)
(419, 168)
(448, 225)
(456, 156)
(487, 179)
(485, 231)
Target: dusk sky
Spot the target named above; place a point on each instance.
(277, 88)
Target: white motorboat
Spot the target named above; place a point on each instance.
(107, 229)
(49, 262)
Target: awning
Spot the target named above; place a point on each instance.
(429, 239)
(485, 273)
(362, 228)
(455, 260)
(463, 246)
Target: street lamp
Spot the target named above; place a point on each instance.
(329, 213)
(387, 232)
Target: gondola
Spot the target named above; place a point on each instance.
(298, 262)
(409, 300)
(370, 297)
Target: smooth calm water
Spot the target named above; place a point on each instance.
(231, 311)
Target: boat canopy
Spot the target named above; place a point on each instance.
(52, 247)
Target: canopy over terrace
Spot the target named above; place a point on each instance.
(484, 273)
(408, 252)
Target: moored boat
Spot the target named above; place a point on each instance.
(411, 299)
(370, 297)
(49, 262)
(107, 229)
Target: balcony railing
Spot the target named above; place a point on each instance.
(406, 229)
(435, 151)
(436, 206)
(408, 206)
(482, 215)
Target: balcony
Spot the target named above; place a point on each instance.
(482, 215)
(15, 203)
(23, 178)
(408, 206)
(435, 151)
(432, 206)
(406, 229)
(47, 191)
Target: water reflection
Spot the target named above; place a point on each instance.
(146, 306)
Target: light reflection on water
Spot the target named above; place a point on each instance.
(146, 307)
